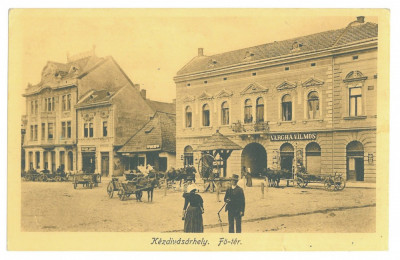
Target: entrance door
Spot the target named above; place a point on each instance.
(359, 169)
(53, 161)
(88, 162)
(105, 164)
(163, 164)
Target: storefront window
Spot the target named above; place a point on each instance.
(248, 114)
(313, 105)
(225, 113)
(286, 108)
(206, 115)
(188, 113)
(260, 110)
(188, 156)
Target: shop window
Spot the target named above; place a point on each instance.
(50, 129)
(188, 117)
(188, 156)
(37, 160)
(248, 111)
(105, 128)
(287, 108)
(260, 110)
(313, 105)
(313, 158)
(355, 101)
(90, 129)
(206, 115)
(225, 113)
(355, 161)
(86, 130)
(141, 161)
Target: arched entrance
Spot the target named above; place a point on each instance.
(188, 156)
(287, 155)
(313, 158)
(254, 157)
(355, 161)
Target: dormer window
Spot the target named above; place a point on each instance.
(248, 56)
(212, 63)
(296, 46)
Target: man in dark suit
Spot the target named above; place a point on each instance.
(234, 197)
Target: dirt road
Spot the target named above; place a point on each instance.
(58, 207)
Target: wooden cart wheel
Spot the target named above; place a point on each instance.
(75, 185)
(300, 182)
(110, 189)
(329, 185)
(340, 183)
(305, 183)
(205, 165)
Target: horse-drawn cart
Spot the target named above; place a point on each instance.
(331, 182)
(86, 179)
(135, 186)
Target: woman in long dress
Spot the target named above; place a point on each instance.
(193, 211)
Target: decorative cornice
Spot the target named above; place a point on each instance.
(286, 85)
(224, 93)
(205, 96)
(312, 82)
(354, 75)
(88, 116)
(253, 88)
(189, 99)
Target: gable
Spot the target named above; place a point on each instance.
(224, 93)
(205, 95)
(311, 82)
(189, 99)
(253, 88)
(286, 85)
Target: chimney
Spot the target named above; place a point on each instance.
(200, 52)
(360, 19)
(143, 93)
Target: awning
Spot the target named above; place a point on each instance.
(218, 142)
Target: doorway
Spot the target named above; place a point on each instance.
(287, 156)
(355, 161)
(254, 156)
(88, 162)
(105, 164)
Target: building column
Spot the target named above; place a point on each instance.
(98, 161)
(57, 152)
(41, 160)
(27, 162)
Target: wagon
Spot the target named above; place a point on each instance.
(331, 182)
(125, 189)
(86, 179)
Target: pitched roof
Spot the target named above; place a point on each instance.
(294, 46)
(161, 106)
(218, 142)
(95, 97)
(157, 135)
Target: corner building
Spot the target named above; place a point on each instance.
(308, 101)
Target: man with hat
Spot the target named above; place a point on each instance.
(235, 203)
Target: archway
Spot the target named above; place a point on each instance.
(287, 156)
(313, 158)
(355, 161)
(254, 156)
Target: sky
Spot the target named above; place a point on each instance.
(151, 45)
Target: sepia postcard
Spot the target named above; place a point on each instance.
(198, 129)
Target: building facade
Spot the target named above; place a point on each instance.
(80, 113)
(305, 102)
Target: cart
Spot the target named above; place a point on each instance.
(125, 189)
(331, 182)
(86, 179)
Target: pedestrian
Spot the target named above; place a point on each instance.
(193, 211)
(234, 197)
(249, 180)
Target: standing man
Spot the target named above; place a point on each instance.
(234, 197)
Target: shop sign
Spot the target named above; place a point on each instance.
(293, 136)
(153, 146)
(88, 149)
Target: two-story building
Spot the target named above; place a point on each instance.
(308, 101)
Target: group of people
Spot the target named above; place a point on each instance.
(193, 208)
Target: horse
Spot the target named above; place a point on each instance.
(154, 182)
(275, 176)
